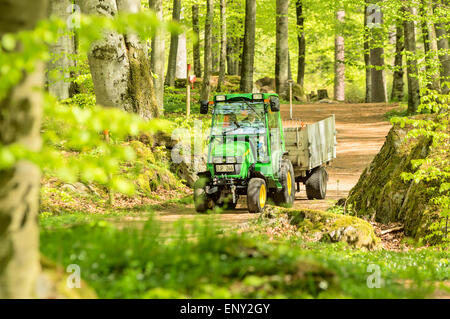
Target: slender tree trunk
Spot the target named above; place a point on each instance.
(432, 77)
(223, 44)
(367, 58)
(58, 75)
(20, 122)
(248, 54)
(301, 43)
(282, 48)
(339, 59)
(206, 86)
(377, 74)
(441, 30)
(172, 63)
(397, 82)
(411, 64)
(119, 63)
(214, 51)
(158, 56)
(181, 70)
(231, 56)
(196, 49)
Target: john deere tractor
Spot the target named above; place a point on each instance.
(245, 154)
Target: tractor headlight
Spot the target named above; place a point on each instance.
(221, 98)
(257, 96)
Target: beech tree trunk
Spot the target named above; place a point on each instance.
(172, 63)
(58, 69)
(367, 58)
(248, 53)
(158, 56)
(411, 64)
(196, 49)
(443, 47)
(430, 54)
(282, 48)
(377, 74)
(119, 64)
(397, 82)
(206, 85)
(301, 43)
(181, 70)
(20, 122)
(223, 44)
(339, 59)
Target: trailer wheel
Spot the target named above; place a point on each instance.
(316, 184)
(256, 195)
(202, 201)
(286, 196)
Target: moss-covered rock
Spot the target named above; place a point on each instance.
(318, 225)
(382, 194)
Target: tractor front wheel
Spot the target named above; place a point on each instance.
(256, 195)
(202, 201)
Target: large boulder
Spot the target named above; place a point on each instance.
(316, 225)
(382, 194)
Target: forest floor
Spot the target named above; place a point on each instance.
(361, 131)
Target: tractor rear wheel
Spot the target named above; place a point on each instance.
(316, 184)
(202, 201)
(256, 195)
(286, 196)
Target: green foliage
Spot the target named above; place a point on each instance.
(196, 260)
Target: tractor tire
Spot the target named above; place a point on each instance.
(286, 196)
(256, 195)
(202, 201)
(316, 184)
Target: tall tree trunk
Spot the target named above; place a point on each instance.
(158, 56)
(196, 49)
(119, 64)
(411, 64)
(214, 51)
(301, 42)
(432, 77)
(377, 74)
(20, 122)
(58, 75)
(282, 48)
(172, 63)
(339, 59)
(248, 53)
(181, 70)
(397, 82)
(206, 85)
(231, 56)
(367, 57)
(223, 43)
(443, 47)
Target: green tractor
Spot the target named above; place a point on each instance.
(247, 156)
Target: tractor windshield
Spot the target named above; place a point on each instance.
(239, 118)
(240, 121)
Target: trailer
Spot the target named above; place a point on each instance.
(252, 154)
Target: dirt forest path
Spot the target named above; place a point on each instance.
(361, 131)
